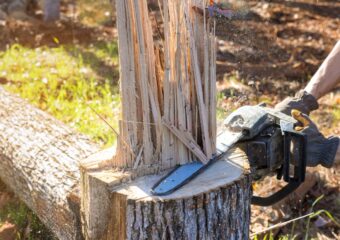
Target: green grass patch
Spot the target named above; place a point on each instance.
(27, 223)
(336, 114)
(94, 13)
(65, 80)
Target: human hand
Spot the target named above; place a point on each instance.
(303, 101)
(320, 150)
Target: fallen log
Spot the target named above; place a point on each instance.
(39, 158)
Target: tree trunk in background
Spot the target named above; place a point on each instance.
(39, 159)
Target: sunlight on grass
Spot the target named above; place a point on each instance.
(221, 112)
(94, 13)
(64, 81)
(28, 224)
(336, 114)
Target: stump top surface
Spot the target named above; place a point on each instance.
(219, 174)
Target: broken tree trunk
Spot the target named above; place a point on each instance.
(166, 80)
(39, 159)
(168, 91)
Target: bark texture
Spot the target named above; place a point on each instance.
(39, 159)
(215, 205)
(220, 214)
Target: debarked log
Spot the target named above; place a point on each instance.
(39, 158)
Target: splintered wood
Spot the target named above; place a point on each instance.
(168, 85)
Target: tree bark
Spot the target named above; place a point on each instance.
(39, 159)
(168, 92)
(215, 205)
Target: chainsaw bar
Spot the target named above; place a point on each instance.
(184, 173)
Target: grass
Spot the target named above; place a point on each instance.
(27, 223)
(65, 80)
(270, 236)
(94, 13)
(336, 114)
(293, 235)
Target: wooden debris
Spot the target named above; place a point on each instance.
(179, 87)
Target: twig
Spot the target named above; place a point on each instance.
(114, 130)
(103, 119)
(281, 224)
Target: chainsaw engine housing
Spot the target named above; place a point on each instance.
(265, 152)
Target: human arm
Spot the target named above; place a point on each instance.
(327, 76)
(323, 81)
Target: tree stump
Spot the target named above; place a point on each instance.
(214, 205)
(168, 93)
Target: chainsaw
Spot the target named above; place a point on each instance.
(267, 137)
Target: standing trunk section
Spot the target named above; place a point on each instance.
(168, 92)
(168, 84)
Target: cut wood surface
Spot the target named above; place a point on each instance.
(214, 205)
(39, 158)
(220, 174)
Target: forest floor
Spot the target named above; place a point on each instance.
(268, 53)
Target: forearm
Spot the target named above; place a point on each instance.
(327, 76)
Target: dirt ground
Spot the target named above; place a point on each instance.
(275, 48)
(268, 53)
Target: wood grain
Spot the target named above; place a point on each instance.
(215, 205)
(39, 158)
(179, 88)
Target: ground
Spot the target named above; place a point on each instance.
(268, 53)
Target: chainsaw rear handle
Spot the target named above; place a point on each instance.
(299, 169)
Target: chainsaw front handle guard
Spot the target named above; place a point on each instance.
(299, 169)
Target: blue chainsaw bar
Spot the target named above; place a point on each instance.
(267, 134)
(184, 173)
(244, 123)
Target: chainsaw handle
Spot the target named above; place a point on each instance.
(299, 169)
(276, 197)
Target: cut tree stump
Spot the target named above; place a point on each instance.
(215, 205)
(168, 95)
(39, 159)
(168, 90)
